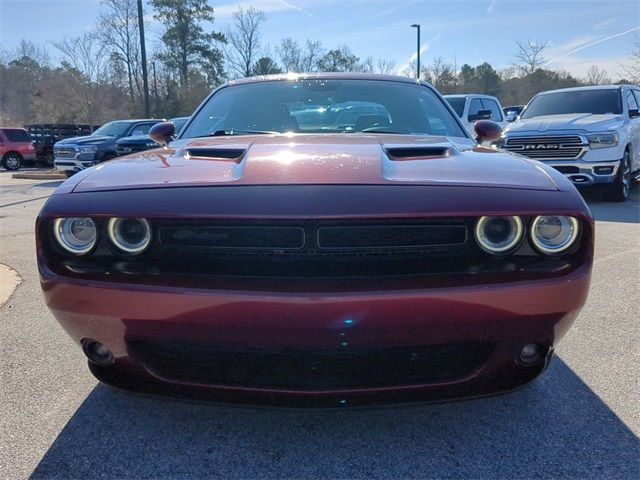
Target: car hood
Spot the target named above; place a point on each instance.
(87, 140)
(574, 121)
(137, 139)
(354, 159)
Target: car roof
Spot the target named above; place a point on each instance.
(134, 120)
(465, 95)
(321, 75)
(592, 87)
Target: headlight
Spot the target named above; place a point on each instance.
(88, 149)
(75, 235)
(131, 235)
(499, 235)
(553, 234)
(603, 140)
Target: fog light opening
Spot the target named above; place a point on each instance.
(530, 354)
(97, 352)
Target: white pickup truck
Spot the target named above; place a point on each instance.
(591, 134)
(473, 107)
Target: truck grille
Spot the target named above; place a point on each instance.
(541, 147)
(65, 152)
(310, 369)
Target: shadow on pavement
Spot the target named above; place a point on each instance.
(556, 427)
(603, 211)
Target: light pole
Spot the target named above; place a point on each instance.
(417, 27)
(143, 54)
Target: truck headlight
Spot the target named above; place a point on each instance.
(554, 234)
(499, 235)
(603, 140)
(131, 235)
(88, 149)
(76, 235)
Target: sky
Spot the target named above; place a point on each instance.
(581, 33)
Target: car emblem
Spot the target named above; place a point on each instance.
(542, 146)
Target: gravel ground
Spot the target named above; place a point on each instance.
(580, 420)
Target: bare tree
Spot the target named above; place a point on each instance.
(385, 66)
(529, 56)
(597, 76)
(296, 59)
(28, 49)
(243, 37)
(118, 31)
(632, 69)
(84, 58)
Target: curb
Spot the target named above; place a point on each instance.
(47, 175)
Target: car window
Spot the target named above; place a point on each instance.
(457, 103)
(597, 102)
(16, 135)
(636, 93)
(113, 129)
(632, 103)
(140, 129)
(325, 106)
(475, 106)
(496, 114)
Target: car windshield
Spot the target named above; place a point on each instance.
(113, 129)
(457, 103)
(577, 101)
(324, 106)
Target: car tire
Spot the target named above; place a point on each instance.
(12, 161)
(619, 191)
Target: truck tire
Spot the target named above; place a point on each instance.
(619, 191)
(12, 161)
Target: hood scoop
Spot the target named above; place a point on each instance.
(208, 153)
(400, 153)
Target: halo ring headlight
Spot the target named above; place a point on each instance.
(554, 234)
(499, 235)
(77, 235)
(131, 235)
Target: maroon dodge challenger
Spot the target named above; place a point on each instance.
(333, 239)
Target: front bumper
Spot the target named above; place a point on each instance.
(504, 317)
(72, 160)
(583, 173)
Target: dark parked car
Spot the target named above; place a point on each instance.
(16, 146)
(260, 258)
(140, 143)
(77, 153)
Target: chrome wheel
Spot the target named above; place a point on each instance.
(12, 161)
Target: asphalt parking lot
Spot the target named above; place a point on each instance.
(580, 420)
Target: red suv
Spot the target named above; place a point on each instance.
(15, 146)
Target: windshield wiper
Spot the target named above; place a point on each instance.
(236, 131)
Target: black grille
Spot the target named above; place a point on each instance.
(311, 370)
(236, 237)
(567, 169)
(398, 236)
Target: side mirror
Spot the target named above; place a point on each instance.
(487, 131)
(511, 116)
(634, 113)
(162, 133)
(481, 115)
